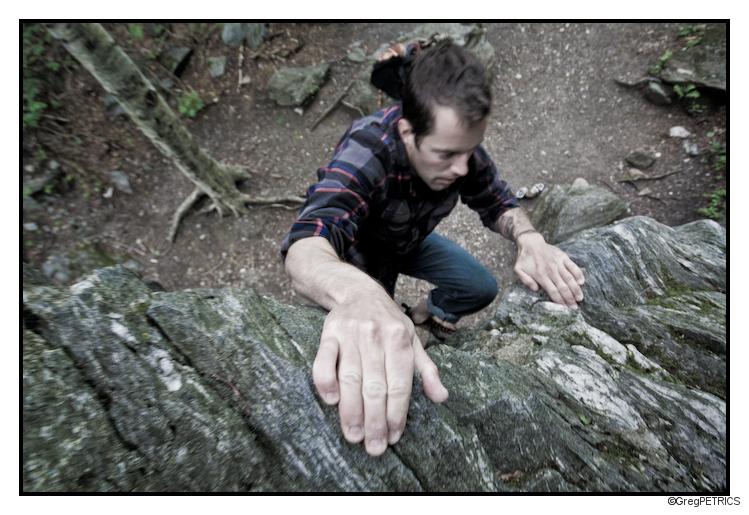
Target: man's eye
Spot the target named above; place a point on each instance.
(447, 155)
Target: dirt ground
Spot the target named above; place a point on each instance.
(558, 114)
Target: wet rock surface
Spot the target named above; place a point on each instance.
(131, 389)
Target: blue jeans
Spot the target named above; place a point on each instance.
(463, 285)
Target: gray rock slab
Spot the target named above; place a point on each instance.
(131, 389)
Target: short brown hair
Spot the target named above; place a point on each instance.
(449, 76)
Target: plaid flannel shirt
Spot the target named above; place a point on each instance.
(374, 211)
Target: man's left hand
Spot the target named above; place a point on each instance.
(541, 264)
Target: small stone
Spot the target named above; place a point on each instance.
(640, 160)
(356, 55)
(175, 59)
(119, 179)
(233, 34)
(678, 132)
(691, 148)
(579, 183)
(216, 65)
(254, 33)
(656, 94)
(31, 226)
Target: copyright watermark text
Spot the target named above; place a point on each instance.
(704, 501)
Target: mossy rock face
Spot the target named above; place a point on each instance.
(704, 64)
(130, 389)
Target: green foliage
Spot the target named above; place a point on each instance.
(33, 47)
(656, 69)
(719, 150)
(691, 33)
(585, 420)
(197, 28)
(135, 30)
(689, 91)
(717, 207)
(189, 105)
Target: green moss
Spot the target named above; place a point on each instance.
(633, 365)
(141, 307)
(619, 449)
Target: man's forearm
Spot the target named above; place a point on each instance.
(318, 274)
(513, 223)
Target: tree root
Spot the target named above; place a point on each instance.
(244, 199)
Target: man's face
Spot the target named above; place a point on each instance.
(442, 156)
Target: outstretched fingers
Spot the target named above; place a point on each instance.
(324, 373)
(400, 372)
(430, 377)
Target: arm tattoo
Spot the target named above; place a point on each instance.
(505, 226)
(513, 223)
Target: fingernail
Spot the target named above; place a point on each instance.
(354, 432)
(377, 446)
(331, 398)
(393, 437)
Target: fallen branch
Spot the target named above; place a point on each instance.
(355, 108)
(332, 106)
(134, 249)
(635, 179)
(239, 67)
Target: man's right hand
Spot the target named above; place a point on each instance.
(368, 348)
(376, 347)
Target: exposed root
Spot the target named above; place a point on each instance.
(243, 199)
(190, 201)
(248, 199)
(239, 173)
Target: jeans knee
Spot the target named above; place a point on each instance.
(486, 290)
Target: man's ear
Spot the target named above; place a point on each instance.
(406, 131)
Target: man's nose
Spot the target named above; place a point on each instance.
(460, 165)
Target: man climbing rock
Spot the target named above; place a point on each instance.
(371, 216)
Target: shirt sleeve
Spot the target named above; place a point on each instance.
(340, 200)
(485, 193)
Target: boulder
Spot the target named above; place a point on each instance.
(175, 59)
(296, 86)
(235, 34)
(128, 388)
(565, 210)
(703, 65)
